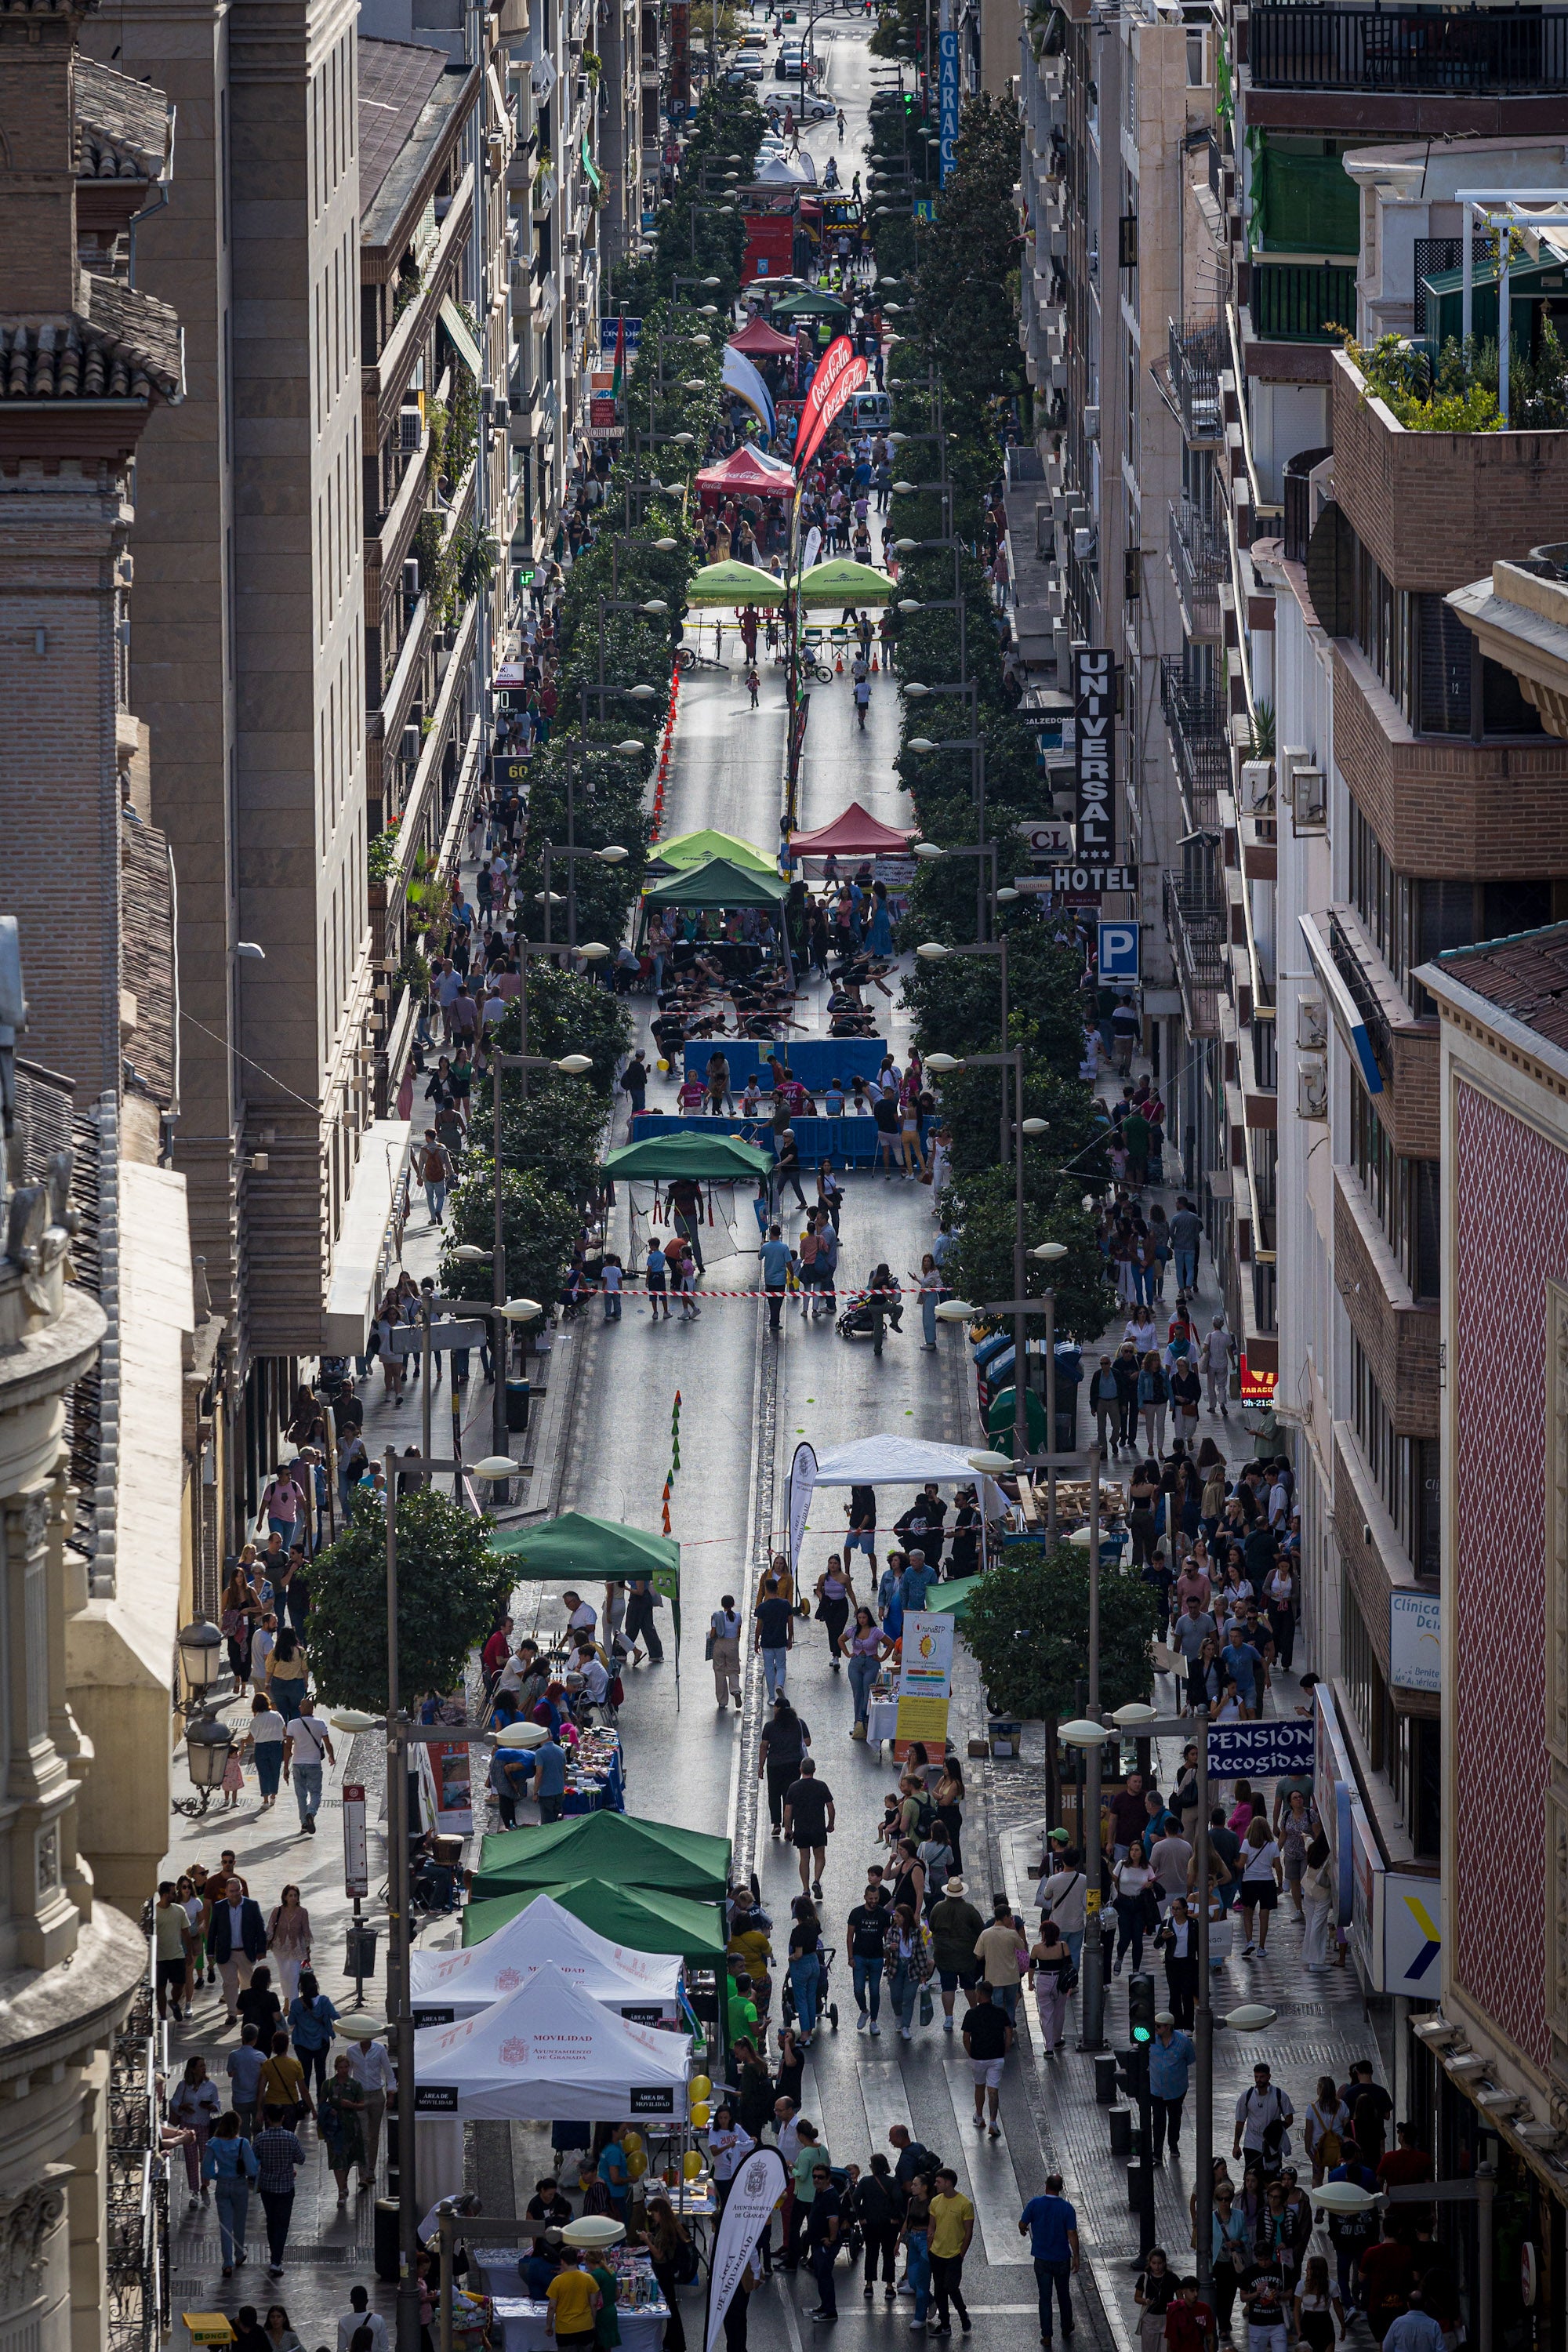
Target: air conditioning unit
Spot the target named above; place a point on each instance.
(408, 744)
(1091, 424)
(410, 428)
(1309, 800)
(1083, 545)
(411, 575)
(501, 415)
(1312, 1087)
(1311, 1024)
(1257, 782)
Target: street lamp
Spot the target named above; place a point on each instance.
(199, 1644)
(208, 1746)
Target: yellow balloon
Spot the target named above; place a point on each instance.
(637, 2163)
(698, 2088)
(700, 2113)
(631, 2139)
(691, 2164)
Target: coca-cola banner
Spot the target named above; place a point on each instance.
(840, 374)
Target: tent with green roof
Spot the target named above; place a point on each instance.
(717, 882)
(620, 1847)
(720, 1158)
(684, 850)
(841, 581)
(641, 1917)
(733, 582)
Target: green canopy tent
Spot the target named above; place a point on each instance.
(952, 1598)
(717, 882)
(621, 1848)
(684, 850)
(844, 582)
(639, 1917)
(718, 1158)
(733, 582)
(578, 1547)
(811, 302)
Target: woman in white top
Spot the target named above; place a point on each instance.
(194, 2108)
(1262, 1874)
(1317, 1896)
(1326, 2130)
(1132, 1880)
(289, 1941)
(728, 2148)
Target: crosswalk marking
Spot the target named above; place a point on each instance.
(992, 2186)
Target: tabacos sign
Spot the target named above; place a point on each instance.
(1094, 751)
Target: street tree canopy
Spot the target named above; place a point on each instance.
(1026, 1626)
(446, 1586)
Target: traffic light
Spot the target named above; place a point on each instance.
(1140, 2007)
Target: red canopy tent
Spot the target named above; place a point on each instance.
(747, 471)
(856, 834)
(761, 341)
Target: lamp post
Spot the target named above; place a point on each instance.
(208, 1739)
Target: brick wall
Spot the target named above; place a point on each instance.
(60, 795)
(1449, 809)
(1439, 509)
(1401, 1337)
(37, 165)
(1510, 1219)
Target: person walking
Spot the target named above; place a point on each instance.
(823, 2225)
(1050, 2224)
(724, 1650)
(987, 2038)
(278, 2157)
(1172, 2055)
(952, 2230)
(1051, 1971)
(305, 1743)
(311, 2017)
(193, 2110)
(785, 1740)
(875, 2202)
(914, 2237)
(956, 1928)
(237, 1942)
(907, 1962)
(775, 1637)
(777, 1260)
(865, 1645)
(1132, 1880)
(230, 2165)
(341, 2114)
(808, 1823)
(1002, 1957)
(1178, 1938)
(1218, 1354)
(373, 2071)
(868, 1933)
(289, 1941)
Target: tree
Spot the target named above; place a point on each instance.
(447, 1584)
(983, 1210)
(570, 1014)
(539, 1227)
(1027, 1627)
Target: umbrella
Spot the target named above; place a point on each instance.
(734, 583)
(577, 1545)
(844, 582)
(720, 1158)
(758, 341)
(856, 834)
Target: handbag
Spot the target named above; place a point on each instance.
(926, 2010)
(708, 1646)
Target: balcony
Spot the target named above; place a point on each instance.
(1302, 301)
(1195, 365)
(1200, 560)
(1195, 719)
(1484, 52)
(1197, 923)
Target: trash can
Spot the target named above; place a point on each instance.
(386, 2250)
(517, 1397)
(359, 1959)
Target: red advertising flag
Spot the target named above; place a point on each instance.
(838, 374)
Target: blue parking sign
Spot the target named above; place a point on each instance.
(1119, 952)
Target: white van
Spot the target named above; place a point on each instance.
(872, 411)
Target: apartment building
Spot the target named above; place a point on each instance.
(1112, 107)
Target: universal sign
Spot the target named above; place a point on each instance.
(1094, 751)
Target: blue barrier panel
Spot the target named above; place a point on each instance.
(847, 1142)
(814, 1061)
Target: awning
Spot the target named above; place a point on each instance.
(684, 849)
(736, 584)
(748, 469)
(366, 1251)
(717, 1158)
(621, 1848)
(856, 834)
(462, 334)
(761, 341)
(588, 164)
(841, 581)
(882, 1461)
(716, 883)
(1344, 1004)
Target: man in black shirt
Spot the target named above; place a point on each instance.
(913, 2157)
(824, 2221)
(785, 1741)
(775, 1638)
(987, 2038)
(548, 2208)
(867, 1942)
(862, 1511)
(808, 1825)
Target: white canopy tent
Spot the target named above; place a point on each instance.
(886, 1461)
(639, 1985)
(549, 2053)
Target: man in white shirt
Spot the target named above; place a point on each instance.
(1261, 2115)
(358, 2316)
(370, 2062)
(308, 1742)
(596, 1680)
(262, 1643)
(1063, 1895)
(582, 1621)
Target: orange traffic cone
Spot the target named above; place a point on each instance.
(665, 1526)
(838, 665)
(667, 1490)
(876, 664)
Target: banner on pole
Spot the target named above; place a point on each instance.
(801, 1481)
(925, 1659)
(753, 2193)
(838, 374)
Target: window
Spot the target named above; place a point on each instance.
(1405, 1194)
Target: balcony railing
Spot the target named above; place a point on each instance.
(1194, 380)
(1195, 921)
(1195, 721)
(1364, 995)
(1494, 52)
(1302, 301)
(1199, 560)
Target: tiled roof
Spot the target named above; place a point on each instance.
(395, 79)
(121, 126)
(124, 345)
(1525, 976)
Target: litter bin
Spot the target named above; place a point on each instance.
(358, 1958)
(517, 1397)
(386, 2250)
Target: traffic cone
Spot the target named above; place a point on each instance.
(665, 1524)
(677, 1400)
(675, 1461)
(838, 665)
(667, 1490)
(876, 664)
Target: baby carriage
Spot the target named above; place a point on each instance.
(825, 2005)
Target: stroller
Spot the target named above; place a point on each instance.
(826, 2006)
(866, 1317)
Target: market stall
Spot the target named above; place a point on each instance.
(638, 1918)
(621, 1847)
(885, 1461)
(684, 850)
(856, 834)
(642, 2314)
(843, 582)
(736, 584)
(577, 1548)
(717, 882)
(549, 2053)
(761, 341)
(638, 1986)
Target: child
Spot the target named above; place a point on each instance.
(656, 1266)
(860, 1104)
(689, 1310)
(693, 1093)
(611, 1278)
(233, 1780)
(749, 1099)
(833, 1101)
(891, 1806)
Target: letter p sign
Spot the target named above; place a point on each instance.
(1119, 945)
